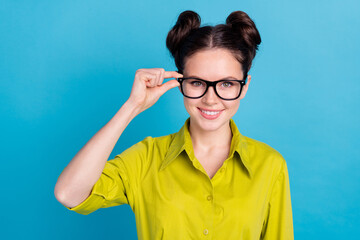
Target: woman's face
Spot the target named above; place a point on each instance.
(212, 65)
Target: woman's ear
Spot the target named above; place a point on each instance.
(245, 87)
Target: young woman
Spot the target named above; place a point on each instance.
(205, 181)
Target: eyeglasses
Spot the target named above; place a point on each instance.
(224, 89)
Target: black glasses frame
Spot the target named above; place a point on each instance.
(213, 84)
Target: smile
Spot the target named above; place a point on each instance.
(210, 114)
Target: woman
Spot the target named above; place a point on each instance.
(205, 181)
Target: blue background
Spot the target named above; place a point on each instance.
(68, 66)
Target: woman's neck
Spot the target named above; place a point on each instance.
(206, 140)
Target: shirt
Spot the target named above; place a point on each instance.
(172, 196)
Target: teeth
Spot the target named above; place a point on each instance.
(210, 113)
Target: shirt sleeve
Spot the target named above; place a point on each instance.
(111, 189)
(279, 222)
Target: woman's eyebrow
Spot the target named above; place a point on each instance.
(225, 78)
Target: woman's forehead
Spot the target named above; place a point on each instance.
(210, 64)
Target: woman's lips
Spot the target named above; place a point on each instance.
(210, 114)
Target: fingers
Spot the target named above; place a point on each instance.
(165, 74)
(156, 76)
(162, 73)
(168, 85)
(170, 74)
(173, 74)
(149, 78)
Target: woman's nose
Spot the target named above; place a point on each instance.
(210, 96)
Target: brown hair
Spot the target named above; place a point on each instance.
(239, 35)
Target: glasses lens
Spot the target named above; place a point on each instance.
(193, 87)
(226, 89)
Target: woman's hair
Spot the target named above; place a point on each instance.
(239, 35)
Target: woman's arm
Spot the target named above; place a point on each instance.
(279, 222)
(79, 176)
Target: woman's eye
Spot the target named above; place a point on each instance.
(196, 83)
(227, 84)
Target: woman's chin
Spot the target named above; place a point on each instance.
(208, 125)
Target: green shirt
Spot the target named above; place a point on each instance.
(172, 196)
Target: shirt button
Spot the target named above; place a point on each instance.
(222, 170)
(209, 197)
(206, 232)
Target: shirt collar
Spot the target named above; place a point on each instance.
(182, 142)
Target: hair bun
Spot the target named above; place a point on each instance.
(242, 25)
(189, 19)
(239, 35)
(186, 22)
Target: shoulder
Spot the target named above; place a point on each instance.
(264, 157)
(261, 147)
(143, 155)
(148, 149)
(150, 144)
(163, 142)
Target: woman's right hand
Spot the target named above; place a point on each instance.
(148, 86)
